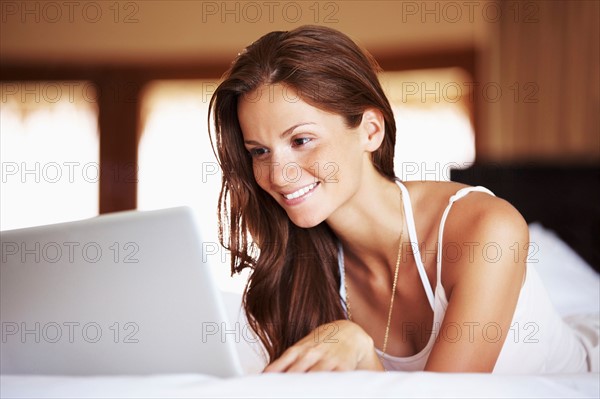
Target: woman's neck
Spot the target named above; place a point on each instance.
(369, 224)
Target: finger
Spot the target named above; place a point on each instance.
(283, 362)
(305, 361)
(322, 365)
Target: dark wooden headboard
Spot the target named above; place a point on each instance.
(562, 198)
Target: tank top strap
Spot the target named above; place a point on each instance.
(342, 276)
(414, 243)
(459, 194)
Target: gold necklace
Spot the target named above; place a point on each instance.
(389, 320)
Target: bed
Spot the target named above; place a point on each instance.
(568, 270)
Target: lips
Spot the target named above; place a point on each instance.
(300, 192)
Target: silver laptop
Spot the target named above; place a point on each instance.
(124, 293)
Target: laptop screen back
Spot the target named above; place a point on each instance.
(124, 293)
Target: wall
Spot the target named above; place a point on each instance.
(172, 31)
(542, 70)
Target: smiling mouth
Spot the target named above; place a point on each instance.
(299, 193)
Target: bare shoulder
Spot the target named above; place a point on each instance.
(480, 229)
(432, 191)
(476, 215)
(485, 218)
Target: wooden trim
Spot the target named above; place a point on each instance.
(118, 119)
(23, 71)
(463, 58)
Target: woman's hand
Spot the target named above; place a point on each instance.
(337, 346)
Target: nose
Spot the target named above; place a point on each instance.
(277, 173)
(281, 170)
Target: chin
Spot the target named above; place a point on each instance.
(305, 221)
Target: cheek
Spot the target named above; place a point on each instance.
(327, 172)
(260, 174)
(336, 164)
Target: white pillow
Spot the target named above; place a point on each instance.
(572, 284)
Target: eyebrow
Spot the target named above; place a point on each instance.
(286, 132)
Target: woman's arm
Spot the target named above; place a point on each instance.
(486, 280)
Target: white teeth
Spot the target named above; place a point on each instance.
(300, 192)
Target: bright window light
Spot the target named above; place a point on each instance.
(434, 133)
(49, 151)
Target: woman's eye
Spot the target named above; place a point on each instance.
(300, 141)
(257, 152)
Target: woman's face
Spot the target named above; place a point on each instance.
(305, 158)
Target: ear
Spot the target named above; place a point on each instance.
(373, 126)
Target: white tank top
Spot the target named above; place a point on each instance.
(538, 340)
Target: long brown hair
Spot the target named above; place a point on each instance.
(295, 279)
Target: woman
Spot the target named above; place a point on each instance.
(352, 268)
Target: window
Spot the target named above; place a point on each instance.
(49, 151)
(433, 123)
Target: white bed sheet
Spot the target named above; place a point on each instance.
(350, 384)
(574, 289)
